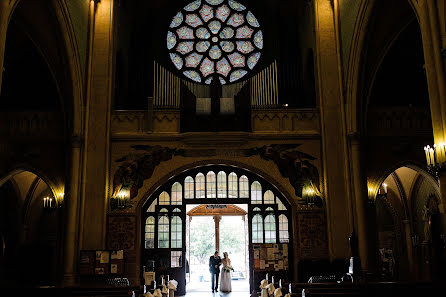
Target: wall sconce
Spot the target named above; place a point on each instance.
(435, 156)
(370, 193)
(310, 197)
(120, 201)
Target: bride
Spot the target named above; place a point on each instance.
(225, 279)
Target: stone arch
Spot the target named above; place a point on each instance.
(241, 165)
(71, 50)
(223, 162)
(31, 237)
(354, 81)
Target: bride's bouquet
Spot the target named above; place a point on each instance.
(228, 268)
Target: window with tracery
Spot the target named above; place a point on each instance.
(177, 194)
(270, 229)
(189, 188)
(221, 185)
(163, 232)
(176, 232)
(232, 185)
(268, 197)
(284, 236)
(257, 229)
(214, 39)
(256, 193)
(150, 233)
(200, 186)
(269, 220)
(210, 185)
(164, 199)
(244, 187)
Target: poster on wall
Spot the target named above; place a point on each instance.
(102, 262)
(270, 257)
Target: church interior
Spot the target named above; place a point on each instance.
(320, 123)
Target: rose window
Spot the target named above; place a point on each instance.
(214, 39)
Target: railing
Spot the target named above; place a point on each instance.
(304, 122)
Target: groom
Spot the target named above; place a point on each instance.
(214, 268)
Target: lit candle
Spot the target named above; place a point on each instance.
(431, 156)
(50, 201)
(426, 151)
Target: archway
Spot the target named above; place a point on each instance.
(222, 228)
(217, 186)
(29, 227)
(409, 232)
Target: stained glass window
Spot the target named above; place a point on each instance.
(257, 229)
(150, 233)
(177, 194)
(214, 39)
(210, 185)
(280, 205)
(199, 183)
(244, 187)
(270, 229)
(232, 185)
(221, 185)
(284, 236)
(268, 197)
(176, 232)
(152, 206)
(163, 232)
(256, 193)
(189, 188)
(164, 199)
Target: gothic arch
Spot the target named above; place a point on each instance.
(71, 51)
(142, 203)
(354, 81)
(228, 163)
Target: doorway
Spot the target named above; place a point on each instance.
(242, 201)
(223, 228)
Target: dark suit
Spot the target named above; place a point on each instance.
(215, 271)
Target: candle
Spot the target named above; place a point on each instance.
(50, 201)
(431, 155)
(426, 151)
(443, 152)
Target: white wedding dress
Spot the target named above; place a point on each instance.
(225, 276)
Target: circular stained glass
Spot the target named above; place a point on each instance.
(218, 39)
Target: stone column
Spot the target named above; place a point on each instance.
(97, 126)
(360, 194)
(333, 131)
(432, 19)
(71, 205)
(410, 257)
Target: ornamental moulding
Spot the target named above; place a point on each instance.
(139, 166)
